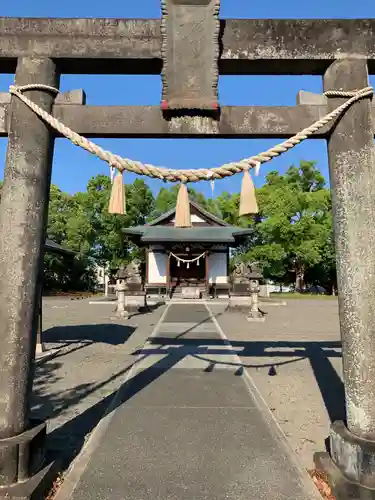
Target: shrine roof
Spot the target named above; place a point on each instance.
(51, 246)
(194, 208)
(169, 234)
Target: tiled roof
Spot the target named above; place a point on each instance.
(198, 208)
(51, 246)
(211, 234)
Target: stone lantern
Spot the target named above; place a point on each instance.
(254, 275)
(121, 287)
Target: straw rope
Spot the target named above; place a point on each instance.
(187, 261)
(171, 175)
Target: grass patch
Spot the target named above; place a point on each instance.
(296, 295)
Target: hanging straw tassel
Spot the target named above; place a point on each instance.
(182, 218)
(248, 201)
(117, 200)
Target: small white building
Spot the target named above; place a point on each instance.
(196, 256)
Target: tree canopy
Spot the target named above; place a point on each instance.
(292, 235)
(294, 229)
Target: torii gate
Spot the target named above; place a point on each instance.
(190, 46)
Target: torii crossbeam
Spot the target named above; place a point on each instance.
(190, 46)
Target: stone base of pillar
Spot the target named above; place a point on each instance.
(350, 466)
(256, 318)
(34, 477)
(34, 488)
(255, 314)
(40, 348)
(122, 314)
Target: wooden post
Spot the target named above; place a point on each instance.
(207, 275)
(39, 348)
(39, 334)
(23, 214)
(169, 290)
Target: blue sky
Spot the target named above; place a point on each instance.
(73, 167)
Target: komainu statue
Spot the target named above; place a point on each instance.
(133, 270)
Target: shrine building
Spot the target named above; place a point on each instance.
(195, 257)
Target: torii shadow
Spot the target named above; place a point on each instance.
(317, 352)
(175, 349)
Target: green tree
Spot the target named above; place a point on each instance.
(167, 198)
(324, 273)
(62, 272)
(98, 234)
(228, 206)
(294, 226)
(59, 209)
(82, 223)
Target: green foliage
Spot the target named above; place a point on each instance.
(294, 231)
(166, 200)
(82, 223)
(292, 234)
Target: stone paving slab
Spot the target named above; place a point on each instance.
(186, 329)
(169, 352)
(302, 342)
(189, 433)
(200, 389)
(185, 313)
(192, 335)
(171, 452)
(182, 345)
(201, 362)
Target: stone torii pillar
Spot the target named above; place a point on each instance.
(352, 171)
(23, 215)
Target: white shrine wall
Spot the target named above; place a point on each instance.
(157, 266)
(193, 218)
(157, 263)
(218, 267)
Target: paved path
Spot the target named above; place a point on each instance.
(302, 343)
(187, 424)
(95, 350)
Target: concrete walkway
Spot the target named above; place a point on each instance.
(187, 425)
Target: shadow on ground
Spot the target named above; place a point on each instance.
(318, 354)
(105, 333)
(147, 309)
(47, 404)
(67, 440)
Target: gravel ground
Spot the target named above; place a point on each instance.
(294, 358)
(73, 389)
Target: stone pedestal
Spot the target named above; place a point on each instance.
(121, 311)
(190, 292)
(240, 289)
(34, 476)
(254, 314)
(349, 465)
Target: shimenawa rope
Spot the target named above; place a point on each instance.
(187, 261)
(226, 170)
